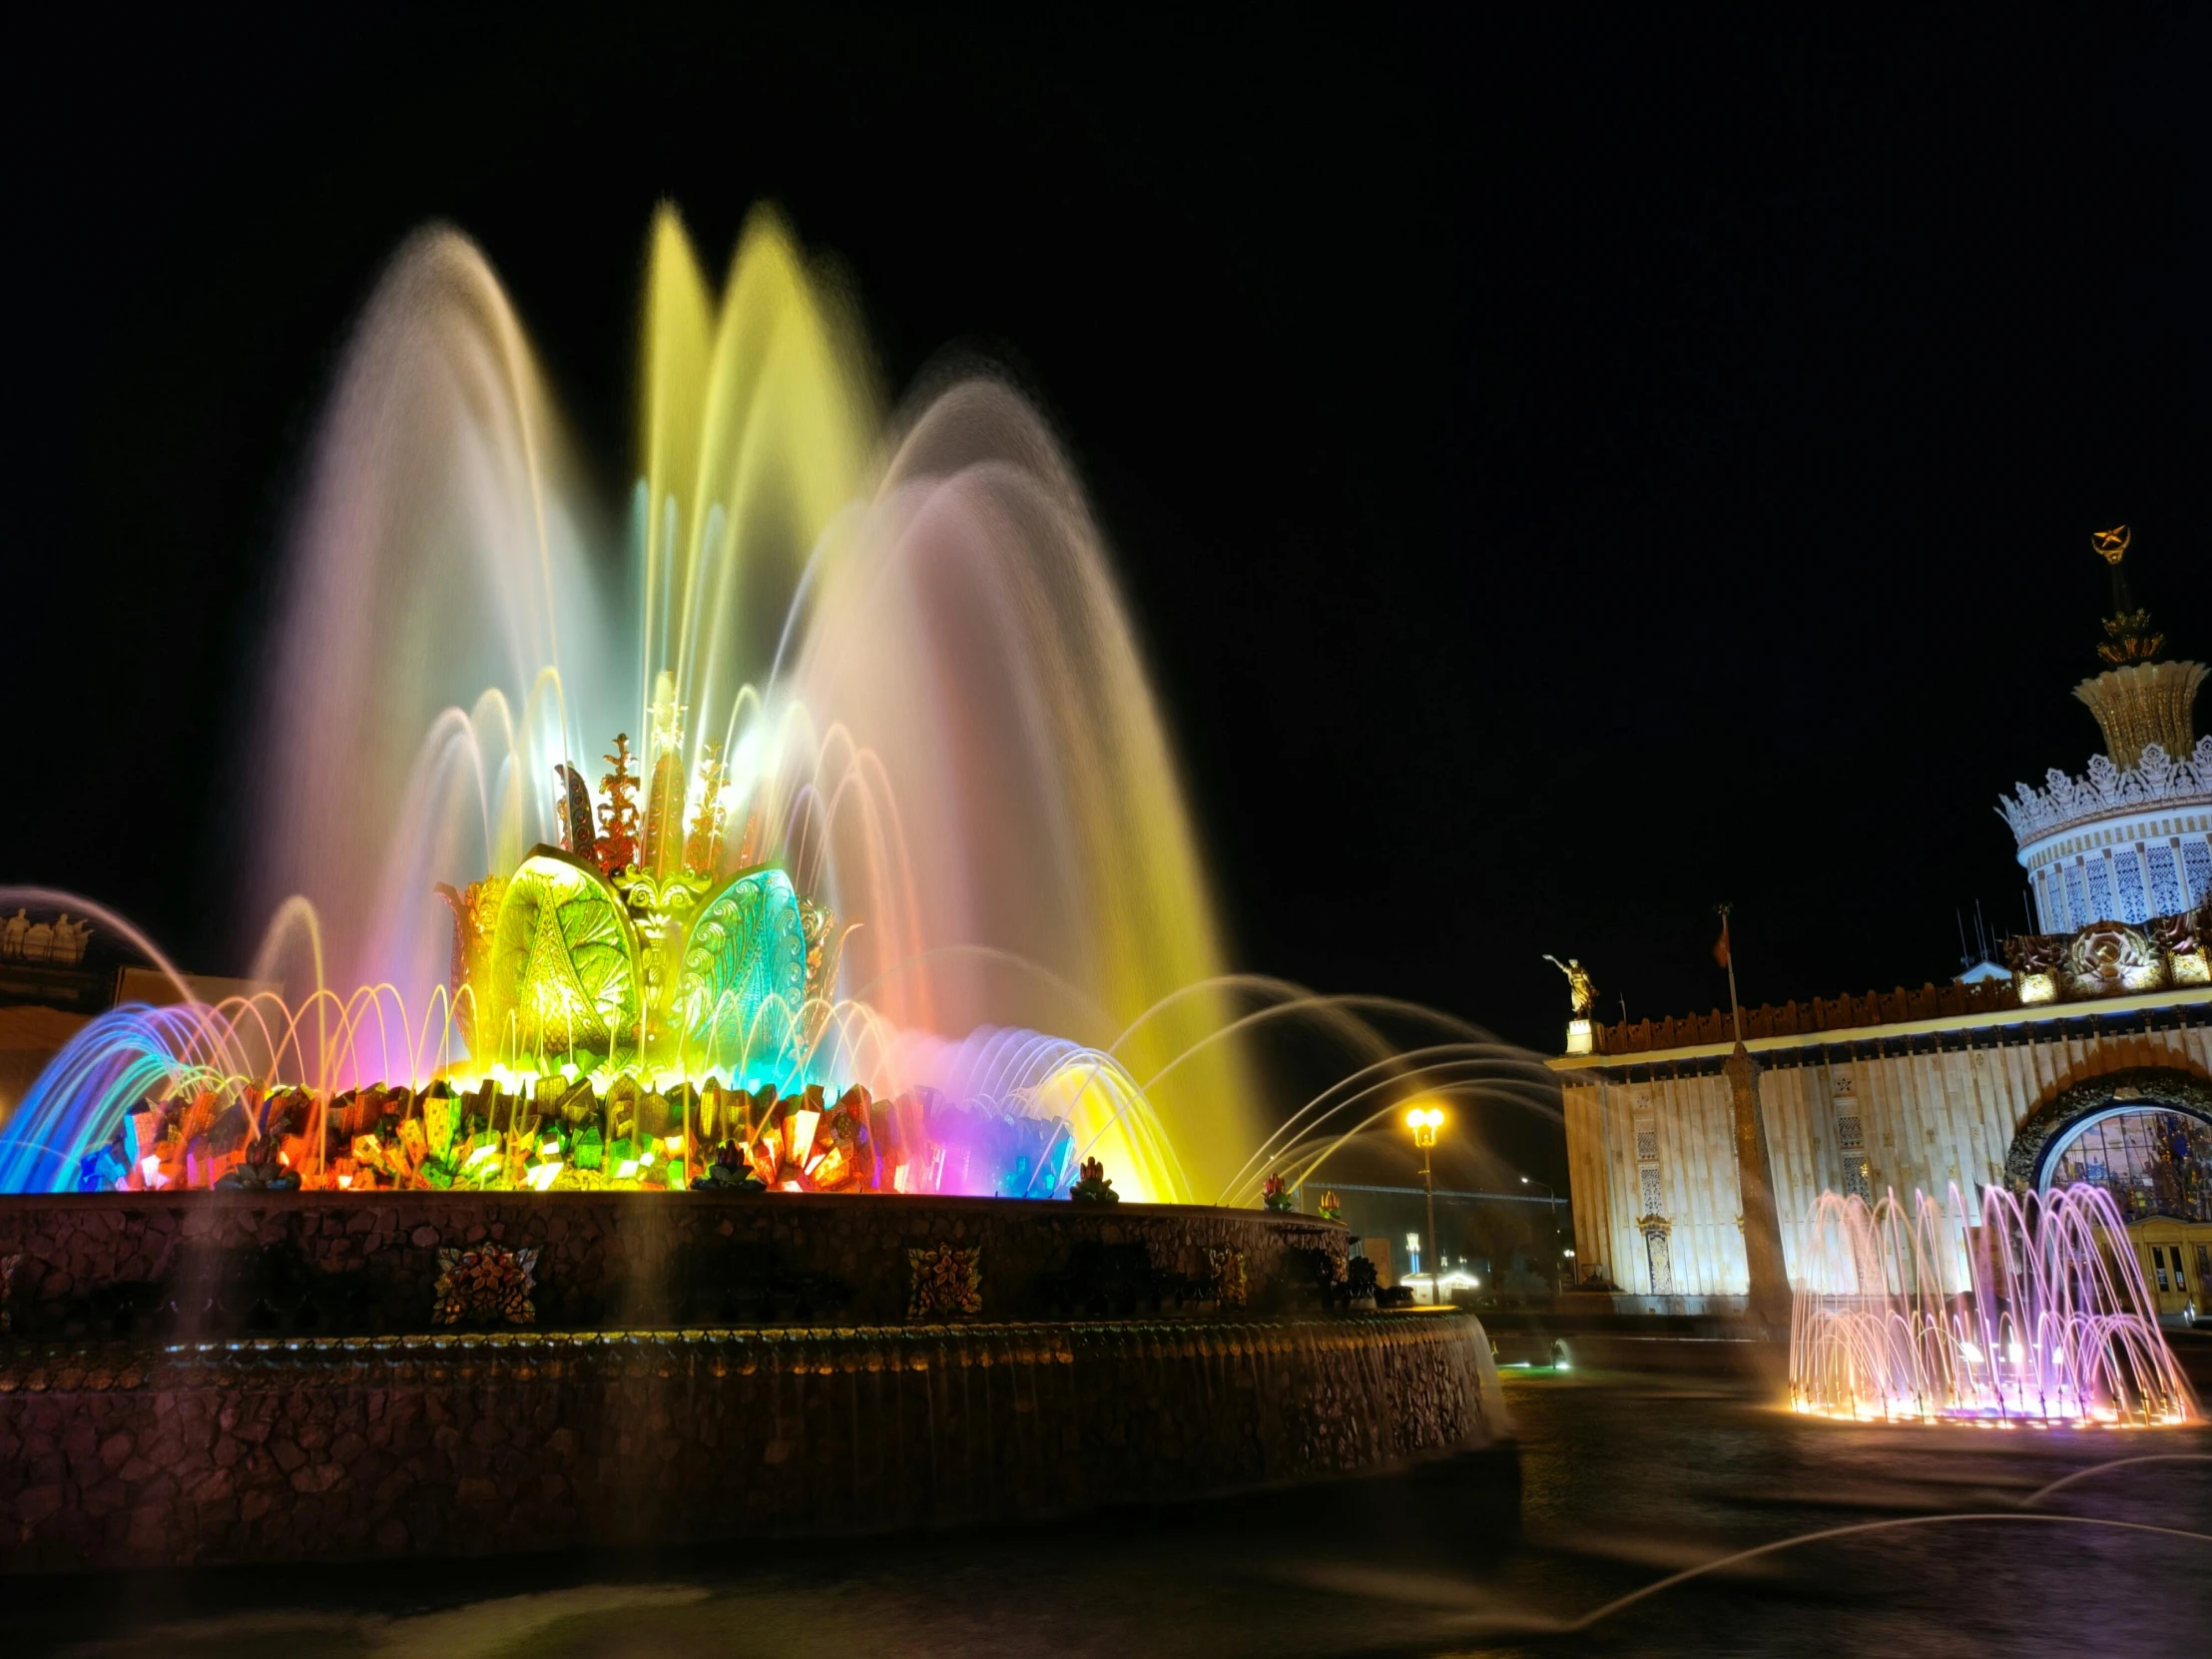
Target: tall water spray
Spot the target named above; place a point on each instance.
(902, 641)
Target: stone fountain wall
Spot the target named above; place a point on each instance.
(146, 1422)
(324, 1449)
(605, 1261)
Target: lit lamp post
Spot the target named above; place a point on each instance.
(1424, 1121)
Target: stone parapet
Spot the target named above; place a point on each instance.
(232, 1264)
(125, 1454)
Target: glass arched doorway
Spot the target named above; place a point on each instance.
(2153, 1160)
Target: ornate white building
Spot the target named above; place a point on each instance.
(2090, 1060)
(2129, 840)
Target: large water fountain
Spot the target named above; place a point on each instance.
(2033, 1311)
(896, 888)
(806, 831)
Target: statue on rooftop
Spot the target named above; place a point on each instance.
(1582, 988)
(69, 941)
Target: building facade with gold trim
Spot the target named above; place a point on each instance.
(2086, 1057)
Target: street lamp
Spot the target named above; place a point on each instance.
(1424, 1121)
(1552, 1200)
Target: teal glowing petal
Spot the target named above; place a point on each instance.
(744, 974)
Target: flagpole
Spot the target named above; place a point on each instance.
(1766, 1275)
(1727, 959)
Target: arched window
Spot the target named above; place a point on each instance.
(2152, 1160)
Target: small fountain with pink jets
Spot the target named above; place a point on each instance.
(2032, 1312)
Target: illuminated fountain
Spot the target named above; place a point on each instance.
(902, 806)
(2035, 1314)
(895, 893)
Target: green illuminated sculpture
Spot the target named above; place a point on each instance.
(624, 953)
(561, 980)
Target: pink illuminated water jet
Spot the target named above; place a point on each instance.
(2032, 1312)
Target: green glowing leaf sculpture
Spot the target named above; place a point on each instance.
(744, 974)
(563, 970)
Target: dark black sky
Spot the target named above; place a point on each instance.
(1562, 482)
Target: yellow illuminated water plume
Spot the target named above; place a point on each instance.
(757, 425)
(886, 657)
(857, 721)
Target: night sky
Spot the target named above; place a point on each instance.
(1561, 482)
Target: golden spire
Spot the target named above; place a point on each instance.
(2137, 701)
(2128, 637)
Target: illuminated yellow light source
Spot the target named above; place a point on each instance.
(1424, 1121)
(675, 1143)
(2038, 987)
(1580, 1039)
(2191, 968)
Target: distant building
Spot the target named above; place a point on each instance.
(2088, 1058)
(57, 975)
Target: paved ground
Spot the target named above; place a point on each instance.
(1624, 1480)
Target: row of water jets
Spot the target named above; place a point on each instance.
(2029, 1309)
(246, 1046)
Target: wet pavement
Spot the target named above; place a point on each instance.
(1622, 1482)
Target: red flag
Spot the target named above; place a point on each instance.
(1720, 951)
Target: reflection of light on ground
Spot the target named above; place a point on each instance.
(1622, 1479)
